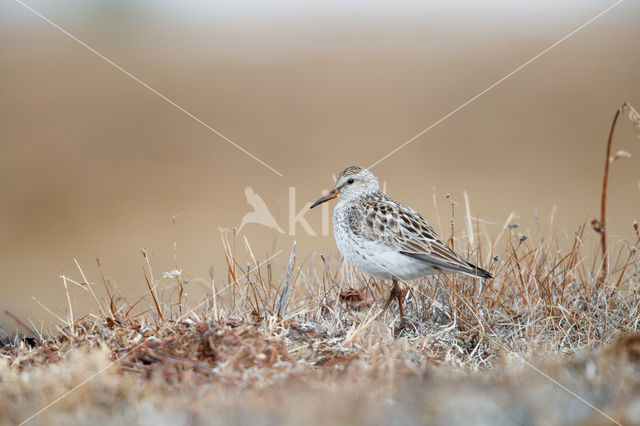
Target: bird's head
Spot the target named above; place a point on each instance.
(352, 183)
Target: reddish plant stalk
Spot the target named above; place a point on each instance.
(601, 227)
(603, 199)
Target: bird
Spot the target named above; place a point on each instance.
(260, 213)
(387, 239)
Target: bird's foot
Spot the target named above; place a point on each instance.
(399, 329)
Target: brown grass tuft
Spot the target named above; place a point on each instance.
(553, 338)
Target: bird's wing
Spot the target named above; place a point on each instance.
(462, 266)
(401, 228)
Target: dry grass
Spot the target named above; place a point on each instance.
(554, 338)
(471, 348)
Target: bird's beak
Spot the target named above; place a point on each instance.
(330, 196)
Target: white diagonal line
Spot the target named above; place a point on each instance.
(94, 375)
(495, 84)
(571, 392)
(133, 77)
(542, 373)
(97, 373)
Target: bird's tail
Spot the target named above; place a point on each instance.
(476, 271)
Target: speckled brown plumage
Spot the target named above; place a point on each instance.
(385, 238)
(386, 222)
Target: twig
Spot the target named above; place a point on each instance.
(216, 316)
(112, 306)
(469, 225)
(86, 282)
(282, 306)
(66, 289)
(175, 261)
(47, 309)
(152, 289)
(153, 296)
(435, 209)
(601, 226)
(453, 219)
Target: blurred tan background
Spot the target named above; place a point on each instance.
(93, 163)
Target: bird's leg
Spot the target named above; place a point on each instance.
(389, 300)
(396, 293)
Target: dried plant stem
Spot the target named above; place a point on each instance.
(86, 282)
(112, 305)
(175, 262)
(603, 199)
(453, 220)
(467, 206)
(282, 306)
(43, 306)
(435, 209)
(214, 295)
(152, 285)
(231, 267)
(601, 227)
(257, 267)
(153, 296)
(66, 289)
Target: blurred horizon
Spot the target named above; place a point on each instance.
(94, 163)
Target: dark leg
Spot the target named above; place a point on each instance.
(396, 293)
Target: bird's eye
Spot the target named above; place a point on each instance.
(350, 181)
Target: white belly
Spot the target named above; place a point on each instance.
(378, 260)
